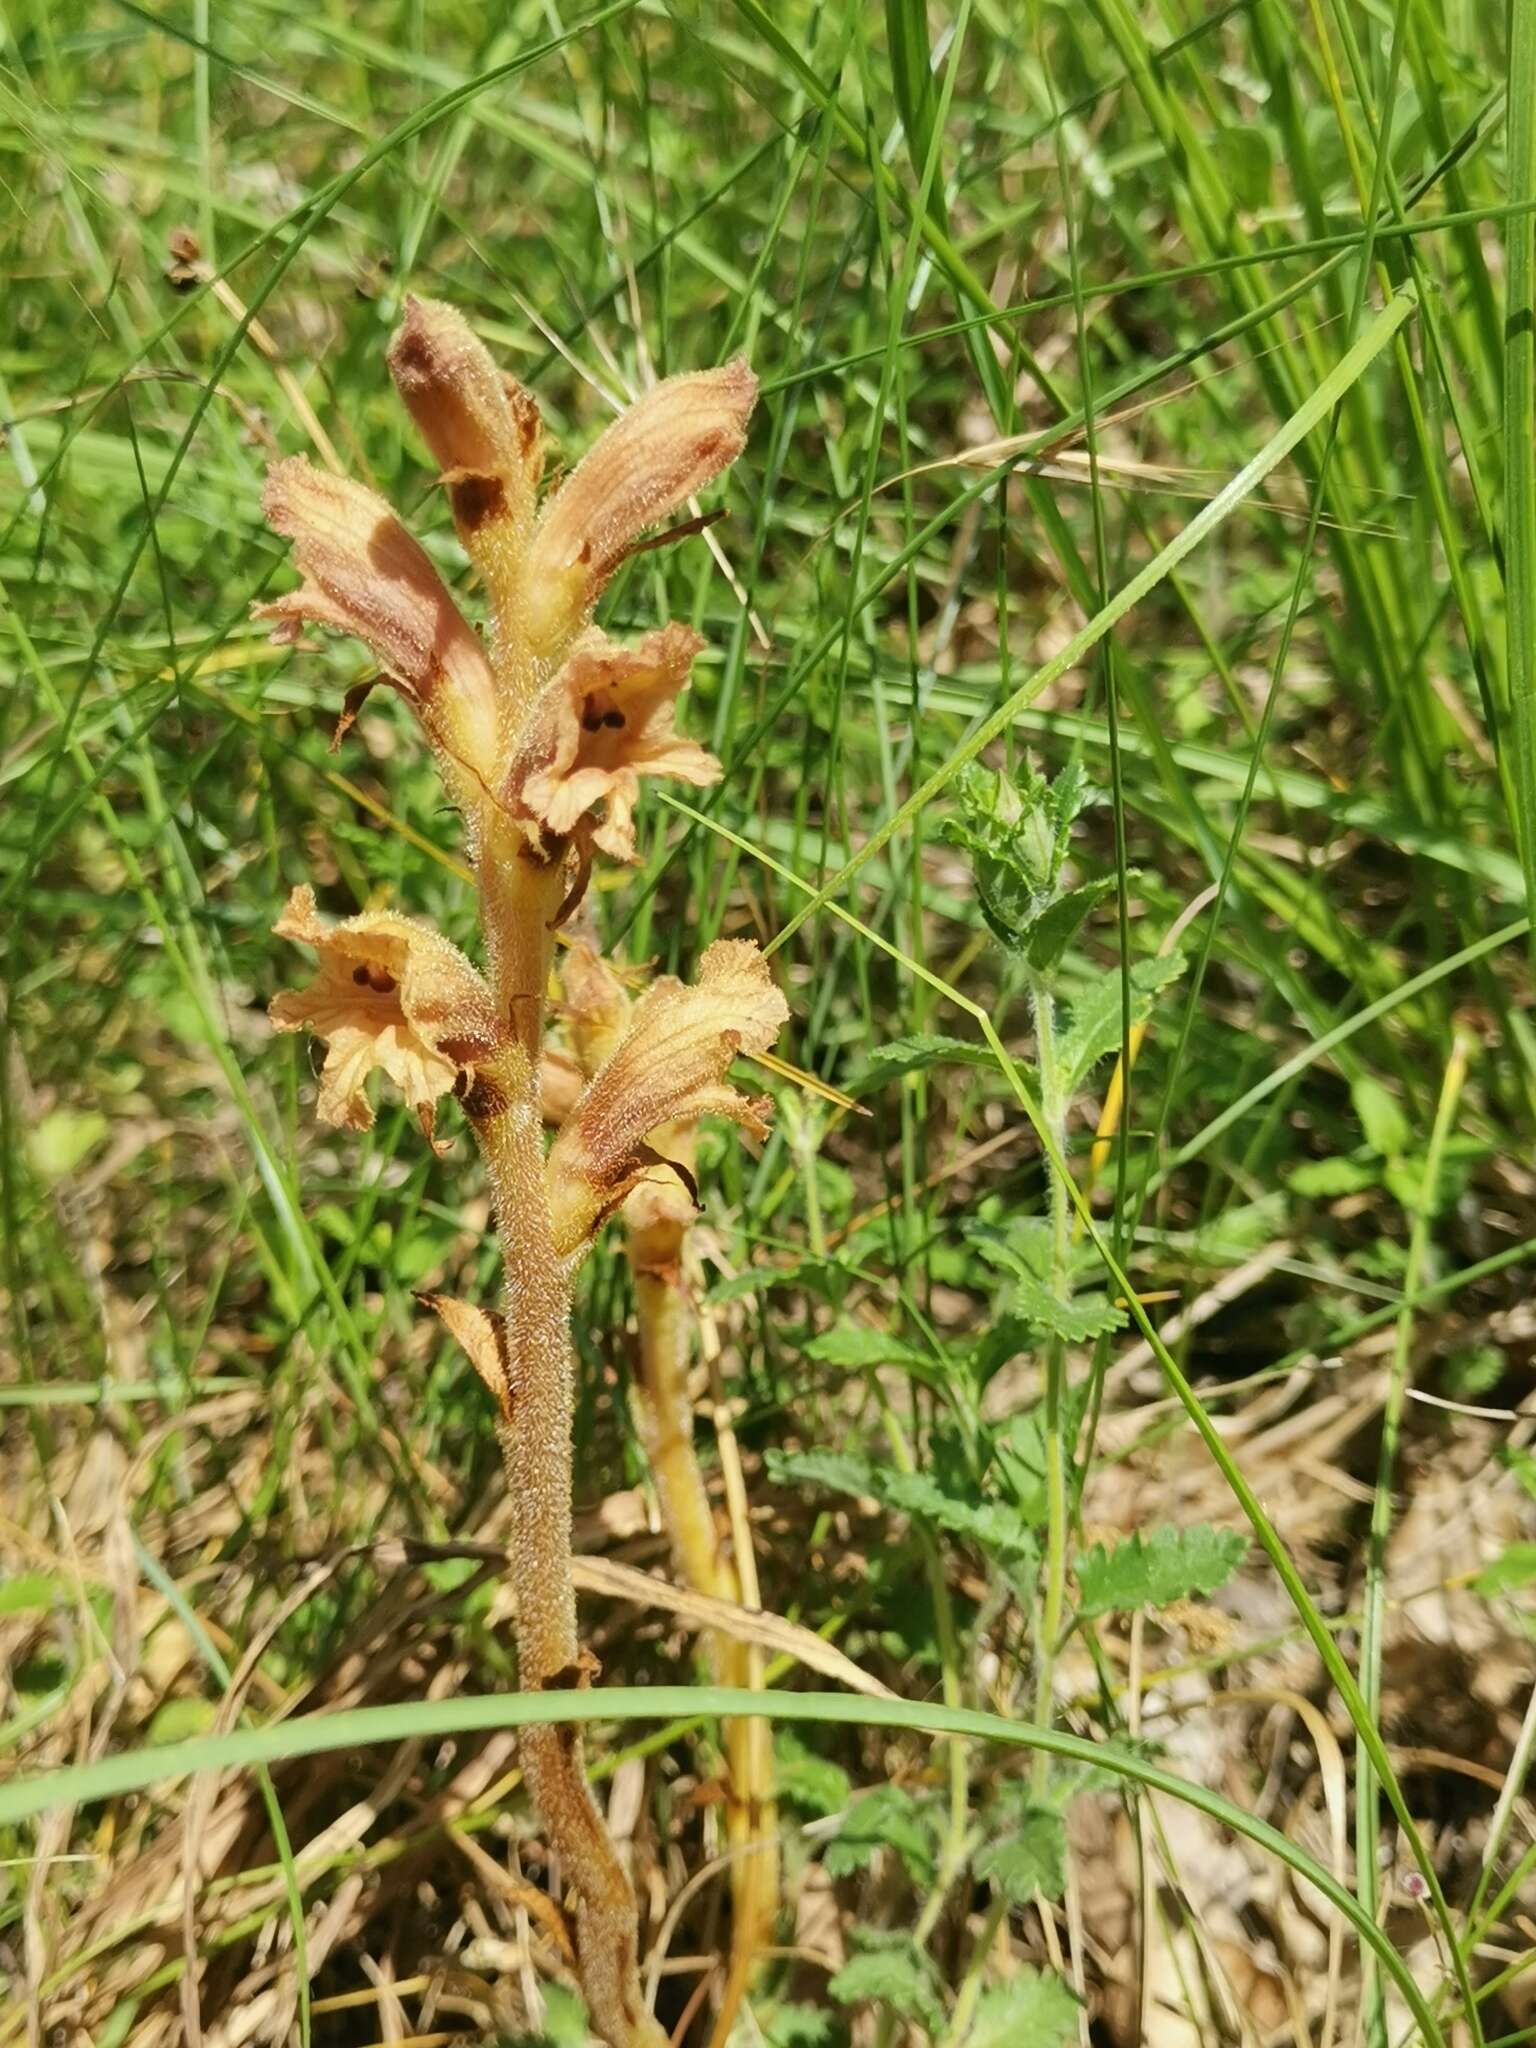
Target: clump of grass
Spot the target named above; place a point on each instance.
(541, 737)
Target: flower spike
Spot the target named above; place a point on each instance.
(670, 1065)
(543, 737)
(391, 993)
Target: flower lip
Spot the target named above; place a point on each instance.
(605, 721)
(390, 993)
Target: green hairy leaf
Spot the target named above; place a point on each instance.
(893, 1972)
(1157, 1569)
(812, 1783)
(1032, 2010)
(994, 1525)
(1031, 1857)
(798, 2026)
(911, 1055)
(857, 1348)
(1076, 1322)
(1093, 1028)
(887, 1818)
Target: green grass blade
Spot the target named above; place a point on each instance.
(427, 1720)
(1345, 374)
(1520, 433)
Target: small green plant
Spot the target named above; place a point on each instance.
(1004, 1487)
(1018, 832)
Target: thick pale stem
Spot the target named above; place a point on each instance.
(518, 900)
(664, 1314)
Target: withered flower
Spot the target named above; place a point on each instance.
(391, 993)
(365, 575)
(672, 441)
(606, 720)
(669, 1066)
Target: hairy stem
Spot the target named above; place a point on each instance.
(519, 900)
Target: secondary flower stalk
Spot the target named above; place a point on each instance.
(543, 736)
(657, 1216)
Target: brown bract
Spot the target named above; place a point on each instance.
(667, 445)
(392, 994)
(670, 1066)
(594, 1005)
(560, 1084)
(606, 720)
(482, 1336)
(365, 575)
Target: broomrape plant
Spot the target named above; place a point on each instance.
(542, 734)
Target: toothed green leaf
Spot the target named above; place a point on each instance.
(1032, 2010)
(911, 1055)
(893, 1972)
(801, 1778)
(887, 1818)
(1031, 1857)
(1157, 1569)
(1095, 1025)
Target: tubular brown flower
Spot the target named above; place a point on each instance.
(560, 1085)
(480, 424)
(365, 575)
(667, 445)
(670, 1065)
(606, 720)
(391, 993)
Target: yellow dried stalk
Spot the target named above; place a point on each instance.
(542, 736)
(655, 1244)
(657, 1216)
